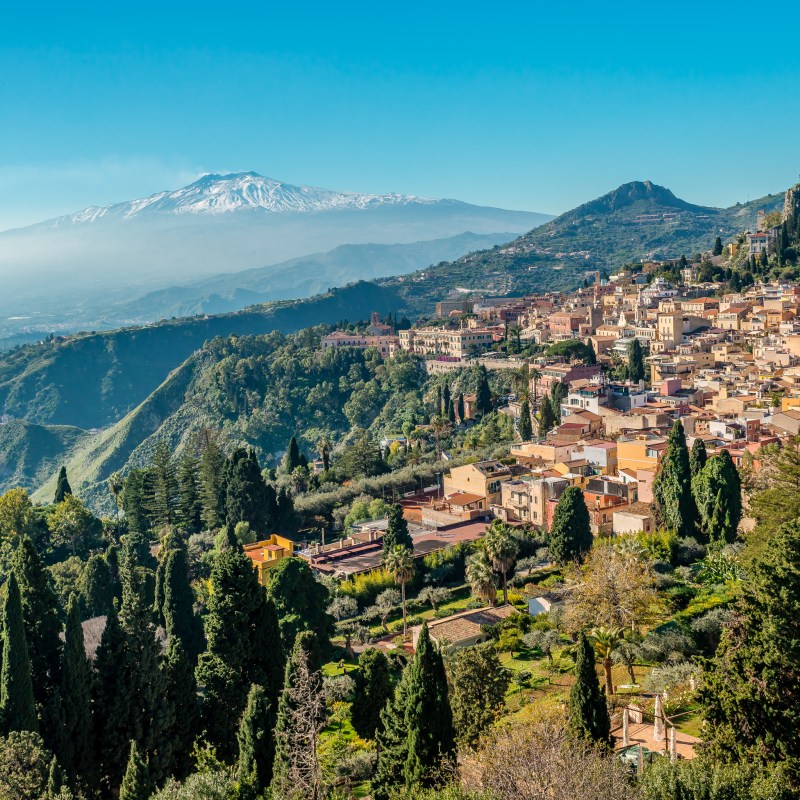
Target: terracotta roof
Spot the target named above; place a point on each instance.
(467, 625)
(463, 498)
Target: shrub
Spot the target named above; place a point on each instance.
(367, 586)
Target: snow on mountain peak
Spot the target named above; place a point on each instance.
(222, 194)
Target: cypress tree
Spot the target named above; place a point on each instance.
(292, 459)
(62, 486)
(244, 646)
(17, 706)
(547, 418)
(190, 506)
(446, 399)
(717, 251)
(635, 361)
(96, 586)
(373, 689)
(256, 743)
(460, 409)
(417, 740)
(673, 502)
(588, 713)
(136, 783)
(396, 530)
(483, 394)
(40, 612)
(750, 693)
(181, 693)
(248, 497)
(571, 532)
(303, 666)
(698, 456)
(525, 426)
(719, 475)
(131, 699)
(76, 753)
(451, 412)
(179, 617)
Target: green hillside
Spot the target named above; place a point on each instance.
(29, 453)
(93, 380)
(638, 220)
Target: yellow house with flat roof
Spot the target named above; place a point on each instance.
(267, 553)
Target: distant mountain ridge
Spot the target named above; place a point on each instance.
(236, 192)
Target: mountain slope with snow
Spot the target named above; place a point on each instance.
(240, 191)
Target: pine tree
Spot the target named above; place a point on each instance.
(17, 706)
(673, 503)
(76, 751)
(179, 617)
(62, 486)
(134, 501)
(163, 490)
(719, 475)
(212, 483)
(396, 530)
(244, 646)
(136, 782)
(635, 361)
(189, 509)
(750, 693)
(181, 694)
(697, 456)
(373, 689)
(417, 740)
(588, 713)
(483, 394)
(525, 426)
(256, 743)
(571, 532)
(40, 612)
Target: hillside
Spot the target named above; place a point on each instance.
(635, 221)
(29, 453)
(299, 277)
(93, 380)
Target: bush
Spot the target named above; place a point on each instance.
(367, 586)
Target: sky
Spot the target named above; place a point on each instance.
(519, 105)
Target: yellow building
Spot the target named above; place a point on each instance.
(482, 479)
(642, 451)
(268, 553)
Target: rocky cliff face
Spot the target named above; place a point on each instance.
(791, 207)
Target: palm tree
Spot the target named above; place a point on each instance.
(502, 549)
(605, 641)
(399, 563)
(480, 577)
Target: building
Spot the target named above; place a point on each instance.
(642, 451)
(386, 345)
(267, 553)
(464, 629)
(531, 500)
(461, 343)
(757, 243)
(482, 480)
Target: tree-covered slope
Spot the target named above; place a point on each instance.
(93, 380)
(638, 220)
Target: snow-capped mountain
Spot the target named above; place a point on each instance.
(79, 265)
(223, 194)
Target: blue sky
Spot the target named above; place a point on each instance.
(521, 105)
